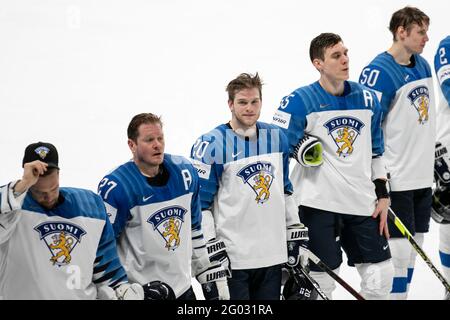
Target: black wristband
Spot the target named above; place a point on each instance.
(380, 189)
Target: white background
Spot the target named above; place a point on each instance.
(75, 72)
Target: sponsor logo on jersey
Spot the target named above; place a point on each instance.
(420, 99)
(42, 152)
(60, 238)
(259, 177)
(281, 119)
(344, 131)
(168, 222)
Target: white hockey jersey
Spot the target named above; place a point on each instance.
(62, 253)
(155, 224)
(245, 183)
(407, 98)
(348, 127)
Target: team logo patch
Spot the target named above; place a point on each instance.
(344, 131)
(168, 221)
(60, 238)
(420, 99)
(259, 177)
(42, 152)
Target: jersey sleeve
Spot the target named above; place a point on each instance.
(291, 118)
(209, 169)
(442, 68)
(377, 79)
(288, 188)
(9, 204)
(108, 269)
(196, 204)
(115, 201)
(378, 164)
(377, 131)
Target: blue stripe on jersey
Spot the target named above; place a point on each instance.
(221, 145)
(107, 266)
(441, 59)
(385, 75)
(445, 259)
(313, 99)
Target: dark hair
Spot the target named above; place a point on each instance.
(138, 120)
(320, 43)
(405, 18)
(244, 81)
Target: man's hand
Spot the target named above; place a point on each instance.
(381, 210)
(31, 173)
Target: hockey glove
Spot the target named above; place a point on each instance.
(126, 291)
(217, 253)
(158, 290)
(308, 151)
(214, 282)
(297, 245)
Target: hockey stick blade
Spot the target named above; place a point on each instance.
(313, 282)
(332, 274)
(405, 232)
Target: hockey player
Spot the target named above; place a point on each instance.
(343, 196)
(402, 81)
(153, 204)
(56, 243)
(441, 198)
(246, 195)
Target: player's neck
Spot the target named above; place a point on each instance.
(241, 129)
(147, 170)
(335, 88)
(400, 54)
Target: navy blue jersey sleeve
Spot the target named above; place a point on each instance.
(108, 269)
(378, 79)
(209, 165)
(291, 118)
(442, 67)
(377, 131)
(116, 203)
(288, 189)
(196, 204)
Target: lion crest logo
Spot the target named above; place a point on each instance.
(344, 131)
(60, 238)
(420, 100)
(168, 222)
(259, 176)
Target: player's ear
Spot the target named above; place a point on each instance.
(231, 104)
(317, 63)
(132, 145)
(401, 33)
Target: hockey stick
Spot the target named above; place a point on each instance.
(332, 274)
(311, 280)
(399, 224)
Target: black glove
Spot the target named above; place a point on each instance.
(157, 290)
